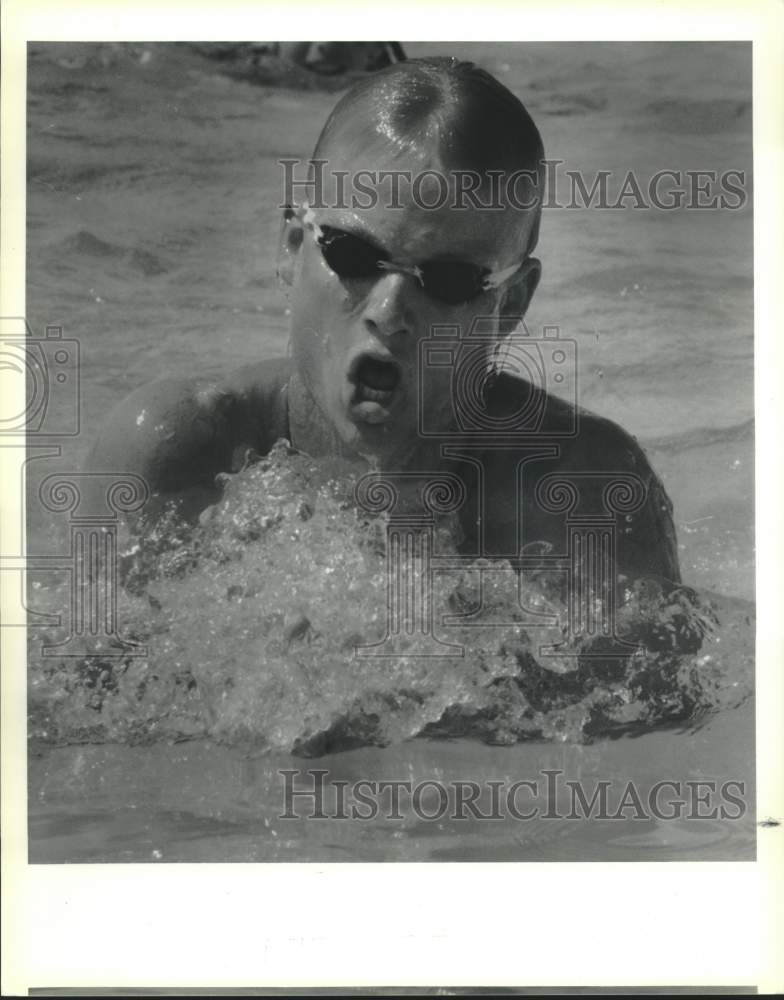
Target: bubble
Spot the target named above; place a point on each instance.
(252, 616)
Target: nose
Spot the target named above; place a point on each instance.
(389, 308)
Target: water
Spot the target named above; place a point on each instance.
(204, 802)
(151, 222)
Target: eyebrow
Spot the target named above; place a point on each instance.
(358, 228)
(360, 233)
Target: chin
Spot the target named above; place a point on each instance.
(385, 443)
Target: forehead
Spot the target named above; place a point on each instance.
(413, 208)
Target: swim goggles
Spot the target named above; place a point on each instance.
(450, 281)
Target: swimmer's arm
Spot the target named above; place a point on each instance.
(646, 544)
(178, 434)
(646, 540)
(651, 547)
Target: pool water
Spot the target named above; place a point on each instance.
(152, 186)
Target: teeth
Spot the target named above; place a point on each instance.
(376, 395)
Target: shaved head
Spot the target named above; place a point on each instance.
(437, 113)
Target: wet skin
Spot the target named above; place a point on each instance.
(351, 388)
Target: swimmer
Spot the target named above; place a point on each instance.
(368, 287)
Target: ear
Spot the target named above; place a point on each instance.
(518, 295)
(290, 239)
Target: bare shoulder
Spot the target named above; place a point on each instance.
(597, 450)
(178, 433)
(603, 450)
(585, 440)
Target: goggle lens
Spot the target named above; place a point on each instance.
(349, 256)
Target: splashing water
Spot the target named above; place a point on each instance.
(251, 620)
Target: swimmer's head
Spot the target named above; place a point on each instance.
(449, 116)
(373, 269)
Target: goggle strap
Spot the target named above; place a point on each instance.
(309, 220)
(496, 278)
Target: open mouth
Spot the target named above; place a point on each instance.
(375, 381)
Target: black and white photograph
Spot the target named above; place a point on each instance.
(404, 503)
(388, 448)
